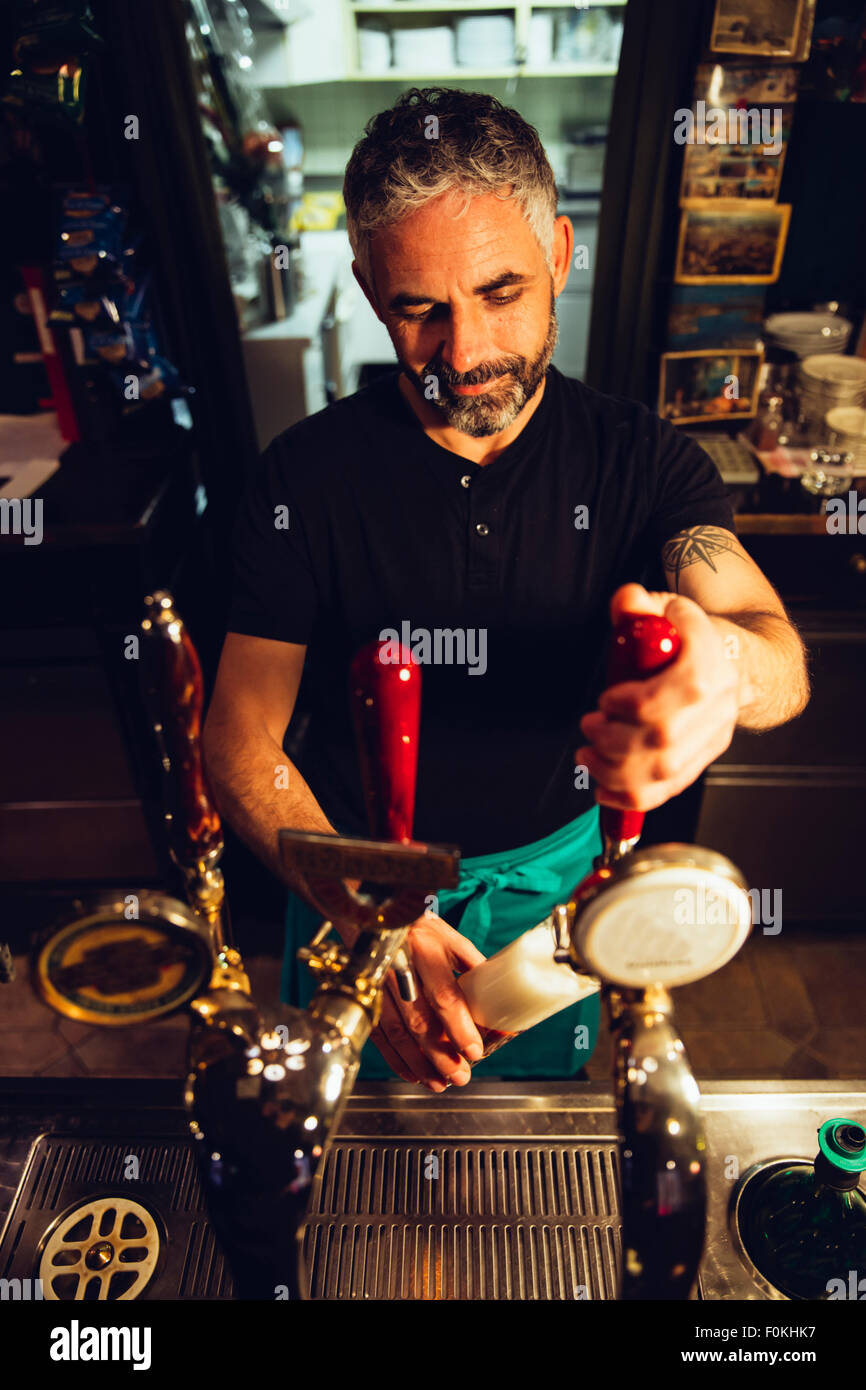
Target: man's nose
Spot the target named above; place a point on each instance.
(466, 345)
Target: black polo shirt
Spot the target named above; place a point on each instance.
(515, 559)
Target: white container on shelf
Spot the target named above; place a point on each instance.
(374, 49)
(585, 37)
(485, 41)
(847, 425)
(424, 50)
(614, 40)
(539, 48)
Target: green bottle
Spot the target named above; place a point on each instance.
(804, 1226)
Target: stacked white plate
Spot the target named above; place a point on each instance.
(424, 50)
(808, 334)
(539, 49)
(374, 49)
(847, 424)
(828, 382)
(485, 41)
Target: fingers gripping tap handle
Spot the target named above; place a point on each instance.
(174, 693)
(385, 690)
(642, 645)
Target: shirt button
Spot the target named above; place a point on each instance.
(482, 529)
(465, 480)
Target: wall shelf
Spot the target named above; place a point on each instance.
(323, 45)
(486, 74)
(447, 7)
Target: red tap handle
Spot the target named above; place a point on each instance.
(174, 692)
(642, 645)
(385, 694)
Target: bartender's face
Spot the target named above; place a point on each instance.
(469, 304)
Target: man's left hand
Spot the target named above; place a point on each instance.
(650, 739)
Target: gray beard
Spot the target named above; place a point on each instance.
(496, 409)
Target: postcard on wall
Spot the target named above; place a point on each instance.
(740, 85)
(720, 316)
(749, 172)
(771, 27)
(731, 243)
(710, 385)
(736, 131)
(804, 35)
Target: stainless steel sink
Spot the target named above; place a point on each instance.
(510, 1189)
(757, 1122)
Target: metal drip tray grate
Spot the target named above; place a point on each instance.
(465, 1220)
(139, 1201)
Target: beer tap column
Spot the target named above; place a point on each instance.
(174, 696)
(662, 1143)
(265, 1107)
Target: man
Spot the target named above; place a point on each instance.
(502, 512)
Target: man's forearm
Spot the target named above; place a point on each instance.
(259, 791)
(771, 664)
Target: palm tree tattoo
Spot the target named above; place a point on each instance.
(696, 545)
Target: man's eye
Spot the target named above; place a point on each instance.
(423, 314)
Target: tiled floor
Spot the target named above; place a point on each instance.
(791, 1006)
(35, 1041)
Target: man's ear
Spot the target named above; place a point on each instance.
(369, 294)
(563, 248)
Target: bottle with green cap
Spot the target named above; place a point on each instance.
(804, 1226)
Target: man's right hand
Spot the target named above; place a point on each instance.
(430, 1040)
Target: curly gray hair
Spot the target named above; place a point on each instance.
(434, 139)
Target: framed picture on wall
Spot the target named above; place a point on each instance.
(715, 316)
(804, 37)
(735, 243)
(744, 167)
(708, 385)
(746, 84)
(733, 172)
(771, 27)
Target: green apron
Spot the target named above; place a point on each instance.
(498, 897)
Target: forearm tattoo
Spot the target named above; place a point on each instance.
(695, 546)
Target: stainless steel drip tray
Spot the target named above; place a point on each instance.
(510, 1189)
(484, 1193)
(498, 1190)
